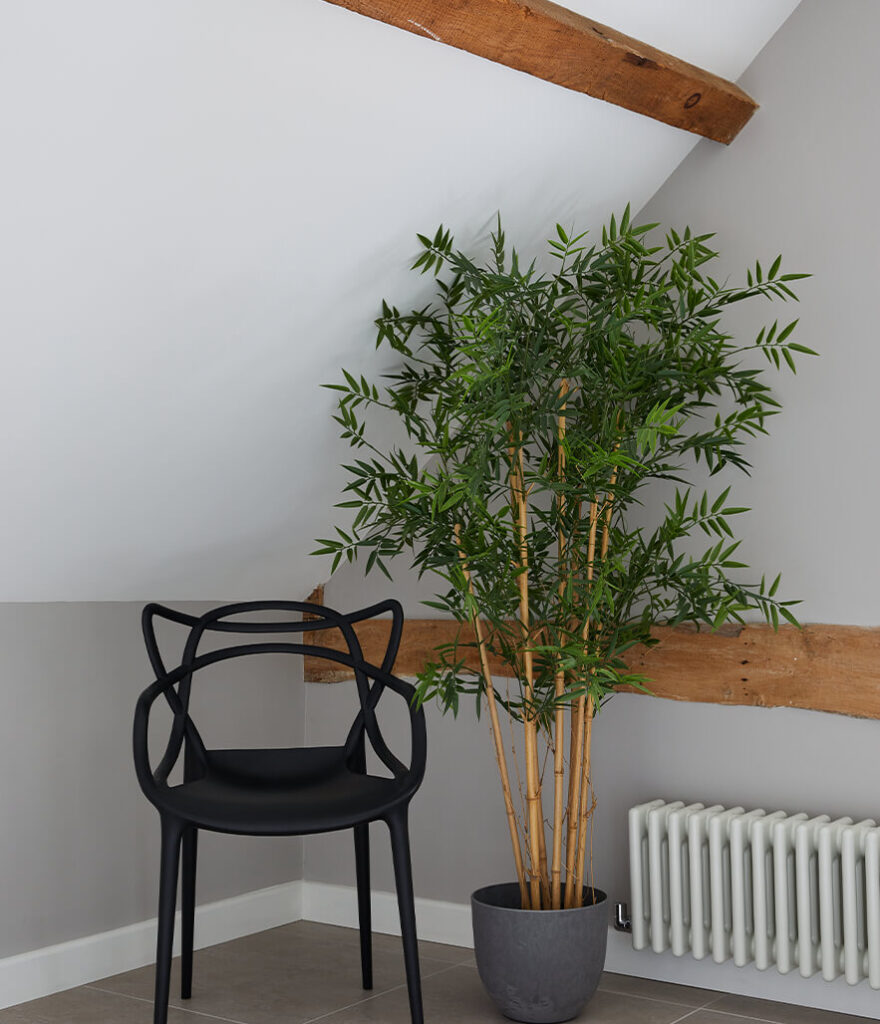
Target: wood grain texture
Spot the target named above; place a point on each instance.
(820, 668)
(553, 43)
(316, 597)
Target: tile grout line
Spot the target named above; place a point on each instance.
(690, 1013)
(718, 996)
(171, 1006)
(432, 974)
(378, 995)
(751, 1019)
(656, 999)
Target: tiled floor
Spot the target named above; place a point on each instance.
(311, 972)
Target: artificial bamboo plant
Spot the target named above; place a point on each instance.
(538, 405)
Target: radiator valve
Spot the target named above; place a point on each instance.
(622, 922)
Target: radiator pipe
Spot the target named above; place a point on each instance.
(622, 922)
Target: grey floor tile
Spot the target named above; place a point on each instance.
(469, 957)
(348, 939)
(683, 995)
(89, 1006)
(392, 944)
(796, 1014)
(427, 950)
(289, 974)
(780, 1013)
(456, 996)
(615, 1008)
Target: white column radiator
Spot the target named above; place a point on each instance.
(766, 888)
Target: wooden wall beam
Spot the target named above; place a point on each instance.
(820, 668)
(554, 43)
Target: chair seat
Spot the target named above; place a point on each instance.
(282, 792)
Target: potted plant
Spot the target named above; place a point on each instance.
(538, 404)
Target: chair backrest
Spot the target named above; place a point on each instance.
(227, 619)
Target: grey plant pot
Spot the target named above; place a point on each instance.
(538, 966)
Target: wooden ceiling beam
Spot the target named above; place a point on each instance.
(553, 43)
(819, 667)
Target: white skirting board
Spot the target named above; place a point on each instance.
(69, 964)
(436, 921)
(81, 961)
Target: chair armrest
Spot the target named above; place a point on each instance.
(388, 605)
(150, 613)
(147, 777)
(419, 740)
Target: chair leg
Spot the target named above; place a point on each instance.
(362, 869)
(188, 908)
(399, 829)
(171, 832)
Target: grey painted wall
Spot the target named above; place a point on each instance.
(644, 748)
(801, 179)
(78, 841)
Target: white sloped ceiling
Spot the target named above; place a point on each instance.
(202, 203)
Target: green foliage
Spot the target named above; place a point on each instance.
(655, 385)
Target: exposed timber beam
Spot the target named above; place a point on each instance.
(820, 668)
(553, 43)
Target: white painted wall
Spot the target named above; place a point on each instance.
(201, 204)
(800, 180)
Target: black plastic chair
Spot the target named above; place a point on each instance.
(298, 791)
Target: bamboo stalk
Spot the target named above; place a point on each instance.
(559, 690)
(495, 727)
(542, 854)
(513, 754)
(573, 788)
(592, 880)
(609, 501)
(558, 794)
(542, 838)
(571, 813)
(576, 788)
(585, 807)
(535, 815)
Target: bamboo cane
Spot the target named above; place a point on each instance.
(584, 814)
(573, 789)
(542, 854)
(586, 809)
(592, 880)
(571, 804)
(559, 689)
(496, 727)
(576, 788)
(609, 501)
(511, 723)
(535, 816)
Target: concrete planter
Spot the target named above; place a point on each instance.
(539, 966)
